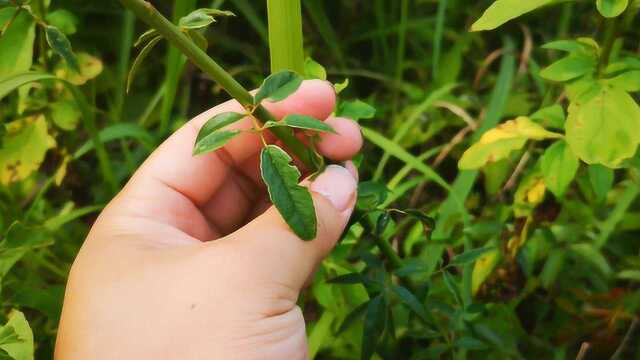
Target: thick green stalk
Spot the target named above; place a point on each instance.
(285, 35)
(147, 13)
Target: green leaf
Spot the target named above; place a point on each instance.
(564, 45)
(375, 322)
(412, 302)
(339, 87)
(611, 8)
(18, 240)
(64, 20)
(601, 179)
(551, 116)
(604, 129)
(351, 318)
(552, 267)
(145, 37)
(498, 143)
(16, 42)
(502, 11)
(569, 68)
(18, 336)
(278, 86)
(452, 286)
(11, 83)
(292, 200)
(559, 166)
(371, 194)
(214, 141)
(589, 253)
(118, 131)
(61, 46)
(470, 256)
(65, 114)
(313, 70)
(201, 18)
(355, 110)
(629, 81)
(216, 123)
(140, 58)
(633, 275)
(351, 278)
(306, 123)
(469, 343)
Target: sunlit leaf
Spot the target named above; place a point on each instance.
(18, 339)
(604, 129)
(90, 68)
(355, 110)
(498, 143)
(559, 166)
(16, 42)
(305, 122)
(611, 8)
(339, 87)
(214, 141)
(313, 70)
(483, 267)
(551, 116)
(629, 81)
(201, 18)
(530, 193)
(569, 68)
(11, 83)
(502, 11)
(145, 37)
(278, 86)
(64, 20)
(292, 200)
(65, 114)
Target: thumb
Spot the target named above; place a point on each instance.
(277, 253)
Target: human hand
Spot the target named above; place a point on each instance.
(185, 263)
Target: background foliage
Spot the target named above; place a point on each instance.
(521, 143)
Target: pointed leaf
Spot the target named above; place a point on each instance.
(201, 18)
(61, 46)
(374, 324)
(355, 110)
(292, 200)
(214, 141)
(452, 285)
(313, 70)
(218, 122)
(569, 68)
(601, 179)
(352, 278)
(13, 82)
(145, 37)
(470, 256)
(351, 318)
(138, 61)
(278, 86)
(409, 299)
(21, 348)
(502, 11)
(559, 166)
(307, 123)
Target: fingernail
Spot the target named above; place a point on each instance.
(337, 185)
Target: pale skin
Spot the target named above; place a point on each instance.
(190, 260)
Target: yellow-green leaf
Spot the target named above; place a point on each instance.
(483, 267)
(499, 142)
(140, 58)
(24, 147)
(604, 128)
(16, 43)
(90, 68)
(20, 342)
(502, 11)
(569, 68)
(611, 8)
(559, 166)
(65, 114)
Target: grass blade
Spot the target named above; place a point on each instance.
(285, 35)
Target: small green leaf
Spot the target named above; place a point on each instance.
(339, 87)
(355, 110)
(306, 123)
(569, 68)
(293, 201)
(498, 143)
(412, 302)
(19, 345)
(214, 141)
(452, 286)
(604, 128)
(351, 318)
(371, 194)
(483, 268)
(552, 267)
(145, 37)
(375, 322)
(201, 18)
(559, 166)
(551, 116)
(61, 46)
(313, 70)
(13, 82)
(601, 179)
(469, 343)
(502, 11)
(589, 253)
(278, 86)
(218, 122)
(633, 275)
(351, 278)
(564, 45)
(382, 223)
(65, 114)
(470, 256)
(138, 61)
(64, 20)
(611, 8)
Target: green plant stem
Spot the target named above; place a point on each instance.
(147, 13)
(611, 26)
(285, 35)
(389, 252)
(400, 50)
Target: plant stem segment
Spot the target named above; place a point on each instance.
(147, 13)
(285, 35)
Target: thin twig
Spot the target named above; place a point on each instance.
(626, 341)
(516, 173)
(584, 348)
